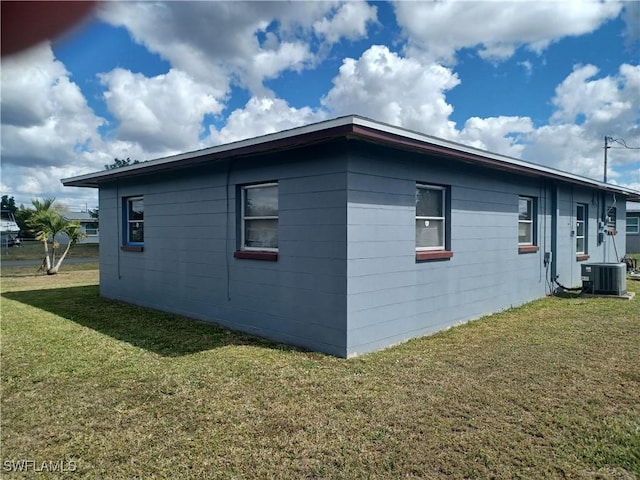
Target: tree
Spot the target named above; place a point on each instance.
(9, 203)
(22, 215)
(47, 222)
(117, 163)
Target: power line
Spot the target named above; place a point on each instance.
(621, 142)
(607, 146)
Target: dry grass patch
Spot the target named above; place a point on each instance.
(549, 390)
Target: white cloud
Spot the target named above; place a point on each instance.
(596, 100)
(48, 129)
(247, 43)
(45, 117)
(163, 113)
(400, 91)
(411, 93)
(35, 71)
(26, 183)
(528, 67)
(349, 21)
(439, 29)
(261, 116)
(608, 105)
(496, 134)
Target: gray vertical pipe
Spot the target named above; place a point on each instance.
(554, 231)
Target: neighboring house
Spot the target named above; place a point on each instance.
(88, 225)
(633, 228)
(348, 235)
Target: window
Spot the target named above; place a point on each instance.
(581, 228)
(134, 218)
(259, 228)
(633, 225)
(91, 228)
(527, 225)
(431, 222)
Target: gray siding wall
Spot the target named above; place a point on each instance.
(633, 239)
(612, 247)
(188, 267)
(392, 297)
(346, 281)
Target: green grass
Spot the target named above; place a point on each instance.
(7, 273)
(33, 250)
(548, 390)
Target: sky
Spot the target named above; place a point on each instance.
(544, 81)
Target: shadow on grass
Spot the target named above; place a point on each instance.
(162, 333)
(568, 294)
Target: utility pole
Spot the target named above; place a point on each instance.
(606, 147)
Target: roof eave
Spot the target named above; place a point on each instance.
(354, 127)
(301, 136)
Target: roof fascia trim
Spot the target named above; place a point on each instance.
(424, 143)
(300, 136)
(351, 126)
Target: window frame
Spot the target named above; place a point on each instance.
(243, 219)
(126, 242)
(585, 226)
(637, 225)
(95, 231)
(443, 251)
(532, 245)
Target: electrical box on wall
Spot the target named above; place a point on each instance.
(611, 221)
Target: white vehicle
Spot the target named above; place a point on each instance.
(9, 229)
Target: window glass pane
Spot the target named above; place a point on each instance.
(524, 232)
(429, 233)
(261, 202)
(633, 224)
(524, 208)
(580, 229)
(136, 209)
(136, 232)
(261, 233)
(580, 245)
(429, 203)
(580, 212)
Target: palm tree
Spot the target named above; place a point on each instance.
(47, 222)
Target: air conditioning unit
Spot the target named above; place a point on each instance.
(604, 278)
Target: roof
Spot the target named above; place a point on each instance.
(80, 216)
(351, 127)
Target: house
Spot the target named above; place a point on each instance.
(88, 225)
(633, 228)
(348, 235)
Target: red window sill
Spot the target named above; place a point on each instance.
(528, 249)
(252, 255)
(582, 257)
(132, 248)
(434, 255)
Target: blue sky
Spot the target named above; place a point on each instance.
(542, 81)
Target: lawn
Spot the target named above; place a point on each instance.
(548, 390)
(33, 250)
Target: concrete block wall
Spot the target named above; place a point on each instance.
(187, 265)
